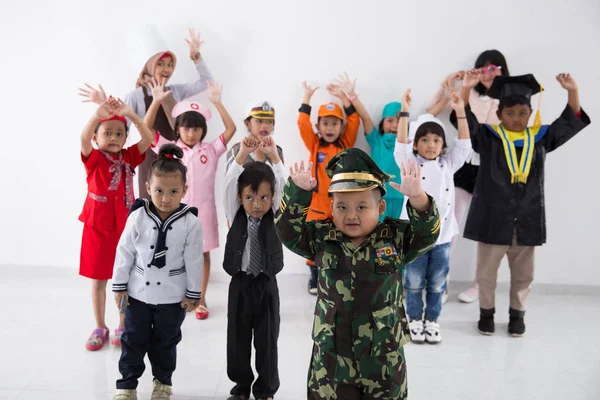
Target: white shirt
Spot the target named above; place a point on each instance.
(438, 181)
(232, 203)
(182, 274)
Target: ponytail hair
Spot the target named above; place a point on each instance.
(168, 162)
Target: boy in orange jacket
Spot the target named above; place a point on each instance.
(332, 136)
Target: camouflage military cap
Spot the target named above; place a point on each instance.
(352, 170)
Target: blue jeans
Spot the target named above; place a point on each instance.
(427, 272)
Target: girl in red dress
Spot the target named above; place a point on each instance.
(109, 169)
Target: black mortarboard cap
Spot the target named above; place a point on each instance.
(505, 86)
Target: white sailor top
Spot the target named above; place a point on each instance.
(438, 181)
(159, 262)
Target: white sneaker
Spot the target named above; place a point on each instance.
(469, 295)
(126, 394)
(445, 296)
(416, 331)
(432, 332)
(161, 391)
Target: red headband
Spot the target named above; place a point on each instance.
(169, 156)
(114, 118)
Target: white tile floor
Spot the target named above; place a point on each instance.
(45, 318)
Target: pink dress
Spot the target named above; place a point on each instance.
(201, 162)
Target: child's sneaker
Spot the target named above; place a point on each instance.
(516, 323)
(161, 391)
(486, 325)
(312, 282)
(416, 331)
(116, 340)
(432, 332)
(469, 295)
(126, 394)
(97, 339)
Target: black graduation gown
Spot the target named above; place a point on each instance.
(499, 208)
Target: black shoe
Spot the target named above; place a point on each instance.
(312, 282)
(516, 323)
(486, 325)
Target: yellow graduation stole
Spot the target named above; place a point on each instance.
(519, 169)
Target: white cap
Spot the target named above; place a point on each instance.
(143, 42)
(414, 125)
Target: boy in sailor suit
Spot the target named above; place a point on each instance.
(158, 275)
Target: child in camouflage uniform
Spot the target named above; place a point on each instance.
(360, 325)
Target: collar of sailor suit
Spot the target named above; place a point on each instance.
(160, 248)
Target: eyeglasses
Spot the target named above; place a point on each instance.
(490, 69)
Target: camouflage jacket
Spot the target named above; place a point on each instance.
(359, 311)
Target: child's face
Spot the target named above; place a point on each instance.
(258, 203)
(166, 192)
(515, 118)
(488, 78)
(260, 128)
(111, 136)
(356, 214)
(429, 146)
(390, 125)
(164, 69)
(330, 128)
(190, 136)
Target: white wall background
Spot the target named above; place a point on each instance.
(263, 50)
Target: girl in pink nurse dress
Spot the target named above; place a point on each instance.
(201, 159)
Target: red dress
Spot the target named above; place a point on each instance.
(110, 194)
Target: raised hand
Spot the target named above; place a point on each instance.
(302, 177)
(249, 145)
(194, 42)
(119, 108)
(105, 110)
(406, 101)
(215, 91)
(450, 84)
(566, 81)
(269, 146)
(336, 90)
(92, 95)
(456, 102)
(158, 89)
(346, 84)
(411, 180)
(308, 90)
(472, 78)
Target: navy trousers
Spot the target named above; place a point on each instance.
(151, 329)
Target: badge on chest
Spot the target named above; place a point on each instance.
(203, 159)
(385, 254)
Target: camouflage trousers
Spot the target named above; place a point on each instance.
(335, 377)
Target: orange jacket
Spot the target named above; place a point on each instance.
(320, 154)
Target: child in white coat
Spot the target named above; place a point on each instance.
(438, 165)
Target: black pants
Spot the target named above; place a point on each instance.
(152, 329)
(253, 306)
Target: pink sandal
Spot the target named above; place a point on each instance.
(116, 340)
(97, 339)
